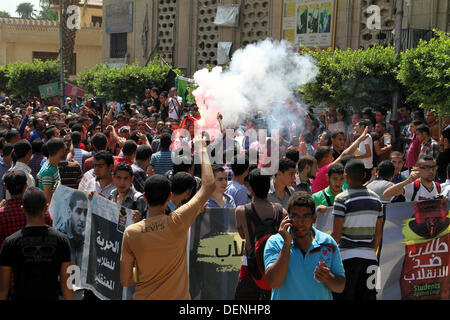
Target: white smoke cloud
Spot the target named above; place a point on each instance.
(260, 76)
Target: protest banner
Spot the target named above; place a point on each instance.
(49, 90)
(215, 257)
(414, 258)
(100, 271)
(95, 230)
(68, 209)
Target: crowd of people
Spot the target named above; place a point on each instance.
(353, 163)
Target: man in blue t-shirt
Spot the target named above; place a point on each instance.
(301, 262)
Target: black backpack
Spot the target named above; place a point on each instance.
(258, 239)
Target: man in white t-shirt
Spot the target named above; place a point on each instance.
(365, 149)
(175, 105)
(420, 185)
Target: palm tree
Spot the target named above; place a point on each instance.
(68, 35)
(25, 10)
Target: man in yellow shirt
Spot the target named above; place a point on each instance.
(153, 252)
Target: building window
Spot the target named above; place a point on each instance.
(44, 56)
(118, 45)
(96, 19)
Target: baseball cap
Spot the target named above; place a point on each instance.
(124, 128)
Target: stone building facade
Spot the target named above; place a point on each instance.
(26, 39)
(184, 33)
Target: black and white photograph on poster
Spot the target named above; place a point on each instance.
(68, 209)
(100, 270)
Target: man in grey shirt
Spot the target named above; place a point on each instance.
(281, 185)
(385, 173)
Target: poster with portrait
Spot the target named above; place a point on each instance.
(309, 23)
(68, 209)
(215, 255)
(100, 271)
(415, 258)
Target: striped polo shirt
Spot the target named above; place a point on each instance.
(360, 208)
(48, 175)
(161, 161)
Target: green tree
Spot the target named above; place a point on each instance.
(425, 72)
(47, 13)
(124, 84)
(25, 78)
(4, 14)
(358, 78)
(25, 10)
(4, 78)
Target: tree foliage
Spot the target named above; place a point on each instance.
(4, 14)
(24, 79)
(124, 84)
(358, 78)
(4, 77)
(425, 72)
(25, 10)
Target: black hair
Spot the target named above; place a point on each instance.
(285, 164)
(364, 122)
(448, 171)
(11, 134)
(293, 154)
(21, 149)
(50, 132)
(181, 182)
(143, 152)
(423, 128)
(54, 145)
(382, 111)
(259, 183)
(76, 138)
(106, 156)
(336, 133)
(77, 127)
(36, 146)
(217, 168)
(426, 158)
(383, 123)
(335, 168)
(321, 153)
(34, 201)
(123, 166)
(129, 148)
(157, 190)
(446, 133)
(15, 181)
(165, 141)
(327, 137)
(239, 168)
(99, 141)
(386, 169)
(356, 170)
(305, 160)
(417, 123)
(301, 199)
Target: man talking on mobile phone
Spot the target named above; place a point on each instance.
(301, 262)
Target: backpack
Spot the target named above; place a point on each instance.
(258, 239)
(417, 187)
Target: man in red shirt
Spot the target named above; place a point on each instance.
(129, 153)
(12, 217)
